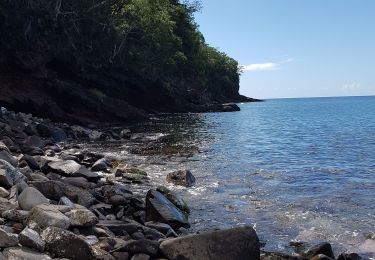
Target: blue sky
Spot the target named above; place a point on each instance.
(296, 48)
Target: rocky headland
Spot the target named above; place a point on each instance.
(59, 200)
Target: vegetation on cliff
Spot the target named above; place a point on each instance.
(148, 53)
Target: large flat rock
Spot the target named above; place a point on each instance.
(230, 244)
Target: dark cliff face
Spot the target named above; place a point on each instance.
(56, 65)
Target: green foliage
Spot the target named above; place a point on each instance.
(155, 40)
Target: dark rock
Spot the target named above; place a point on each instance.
(54, 190)
(160, 209)
(77, 182)
(117, 200)
(174, 198)
(121, 255)
(119, 227)
(34, 141)
(349, 256)
(18, 253)
(236, 243)
(7, 239)
(3, 193)
(31, 162)
(140, 257)
(3, 147)
(15, 215)
(161, 227)
(9, 175)
(322, 248)
(71, 168)
(278, 256)
(125, 134)
(58, 135)
(322, 257)
(65, 244)
(32, 239)
(183, 178)
(43, 130)
(145, 246)
(101, 165)
(4, 155)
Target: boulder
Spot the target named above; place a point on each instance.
(349, 256)
(145, 246)
(140, 257)
(54, 190)
(160, 209)
(71, 168)
(65, 244)
(31, 197)
(7, 239)
(183, 178)
(58, 135)
(237, 243)
(174, 198)
(101, 165)
(18, 253)
(9, 175)
(31, 238)
(34, 141)
(321, 257)
(15, 215)
(6, 205)
(6, 156)
(82, 218)
(48, 216)
(323, 248)
(3, 193)
(3, 147)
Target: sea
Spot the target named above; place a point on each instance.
(297, 170)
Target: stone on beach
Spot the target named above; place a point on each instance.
(231, 244)
(31, 197)
(71, 168)
(22, 253)
(183, 178)
(82, 218)
(7, 239)
(31, 238)
(48, 216)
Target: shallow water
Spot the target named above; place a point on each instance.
(296, 169)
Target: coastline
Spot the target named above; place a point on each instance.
(91, 197)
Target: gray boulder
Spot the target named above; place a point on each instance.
(6, 156)
(183, 178)
(71, 168)
(15, 215)
(231, 244)
(65, 244)
(3, 193)
(6, 205)
(82, 218)
(48, 216)
(31, 197)
(160, 209)
(22, 253)
(34, 141)
(7, 239)
(9, 175)
(31, 238)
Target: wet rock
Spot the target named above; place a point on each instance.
(65, 244)
(31, 238)
(240, 243)
(18, 253)
(48, 216)
(349, 256)
(66, 201)
(15, 215)
(7, 239)
(3, 193)
(140, 257)
(31, 197)
(119, 227)
(43, 130)
(322, 248)
(6, 156)
(117, 200)
(101, 165)
(82, 218)
(71, 168)
(125, 134)
(3, 147)
(176, 200)
(31, 162)
(183, 178)
(79, 182)
(145, 246)
(160, 209)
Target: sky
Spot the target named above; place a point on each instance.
(295, 48)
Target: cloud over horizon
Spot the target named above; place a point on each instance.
(267, 66)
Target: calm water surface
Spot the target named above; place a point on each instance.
(296, 169)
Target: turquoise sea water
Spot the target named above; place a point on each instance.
(296, 169)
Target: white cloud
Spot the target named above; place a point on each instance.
(351, 87)
(261, 66)
(267, 66)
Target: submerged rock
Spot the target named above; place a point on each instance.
(183, 178)
(160, 209)
(231, 244)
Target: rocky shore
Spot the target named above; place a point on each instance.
(61, 201)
